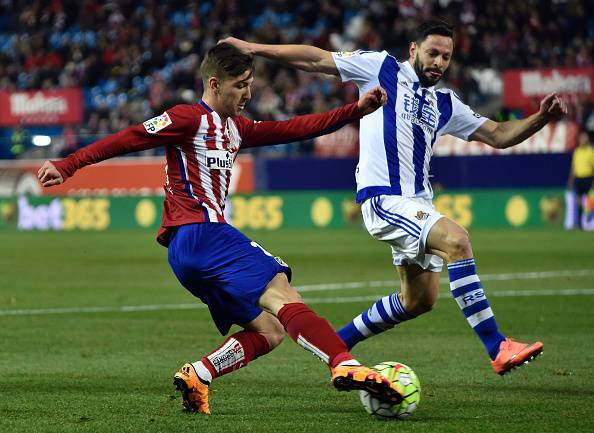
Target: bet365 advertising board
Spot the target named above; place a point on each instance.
(322, 209)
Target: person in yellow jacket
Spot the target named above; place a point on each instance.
(581, 174)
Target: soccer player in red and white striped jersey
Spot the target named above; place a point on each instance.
(239, 280)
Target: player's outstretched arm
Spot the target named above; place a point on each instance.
(502, 135)
(132, 139)
(309, 125)
(305, 57)
(168, 128)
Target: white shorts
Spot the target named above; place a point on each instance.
(404, 223)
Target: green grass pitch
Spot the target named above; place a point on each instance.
(85, 366)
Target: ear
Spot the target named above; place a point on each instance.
(412, 49)
(214, 84)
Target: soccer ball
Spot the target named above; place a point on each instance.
(408, 381)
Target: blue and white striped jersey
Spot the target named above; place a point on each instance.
(396, 142)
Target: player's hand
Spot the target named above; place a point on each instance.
(372, 100)
(243, 46)
(49, 175)
(553, 107)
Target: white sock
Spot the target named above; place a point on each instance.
(202, 372)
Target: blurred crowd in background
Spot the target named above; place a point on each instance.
(133, 59)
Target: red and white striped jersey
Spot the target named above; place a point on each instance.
(200, 152)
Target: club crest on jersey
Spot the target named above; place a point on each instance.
(155, 124)
(421, 215)
(219, 159)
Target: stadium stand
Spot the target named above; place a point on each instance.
(134, 58)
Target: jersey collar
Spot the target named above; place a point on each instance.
(201, 102)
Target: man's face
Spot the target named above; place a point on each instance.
(234, 93)
(431, 58)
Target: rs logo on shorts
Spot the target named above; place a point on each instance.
(219, 159)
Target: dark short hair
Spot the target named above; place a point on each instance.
(224, 61)
(433, 27)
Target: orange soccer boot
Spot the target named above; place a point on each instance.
(349, 377)
(194, 392)
(513, 354)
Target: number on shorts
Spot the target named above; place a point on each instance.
(257, 245)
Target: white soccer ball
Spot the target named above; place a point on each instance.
(407, 380)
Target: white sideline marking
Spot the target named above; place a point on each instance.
(446, 280)
(339, 300)
(122, 309)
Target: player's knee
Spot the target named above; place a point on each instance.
(459, 247)
(278, 293)
(288, 295)
(285, 290)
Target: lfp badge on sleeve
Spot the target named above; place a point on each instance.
(155, 124)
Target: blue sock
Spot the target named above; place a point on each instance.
(386, 313)
(468, 292)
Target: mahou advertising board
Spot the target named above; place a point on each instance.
(523, 88)
(41, 107)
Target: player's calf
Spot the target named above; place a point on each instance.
(384, 314)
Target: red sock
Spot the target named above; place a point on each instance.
(313, 333)
(237, 350)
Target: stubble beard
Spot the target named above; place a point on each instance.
(425, 82)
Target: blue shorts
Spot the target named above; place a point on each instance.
(226, 270)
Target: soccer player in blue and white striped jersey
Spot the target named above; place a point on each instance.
(393, 179)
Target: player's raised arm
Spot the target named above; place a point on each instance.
(305, 57)
(158, 131)
(502, 135)
(310, 125)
